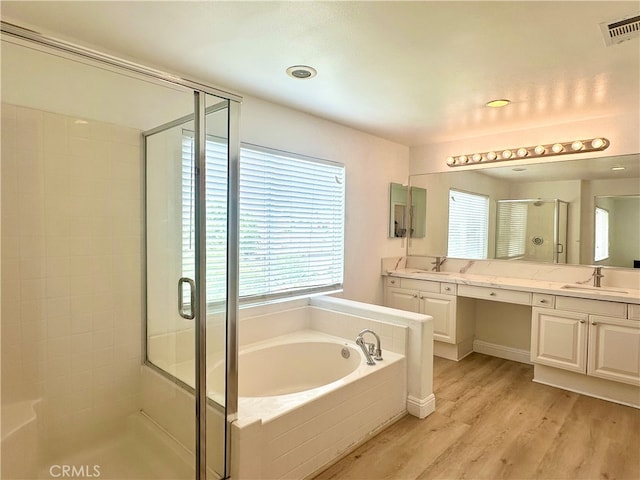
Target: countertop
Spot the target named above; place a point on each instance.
(611, 294)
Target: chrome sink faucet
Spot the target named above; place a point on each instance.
(438, 263)
(370, 351)
(597, 276)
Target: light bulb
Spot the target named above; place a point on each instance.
(522, 152)
(492, 156)
(477, 157)
(577, 145)
(463, 159)
(597, 143)
(540, 150)
(451, 161)
(557, 147)
(506, 154)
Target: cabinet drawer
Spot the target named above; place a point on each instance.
(634, 311)
(392, 281)
(543, 300)
(448, 288)
(496, 294)
(422, 285)
(595, 307)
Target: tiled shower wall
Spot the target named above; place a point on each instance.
(71, 280)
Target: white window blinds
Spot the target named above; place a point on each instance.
(468, 225)
(291, 223)
(602, 235)
(216, 212)
(511, 229)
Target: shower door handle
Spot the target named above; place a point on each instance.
(560, 248)
(189, 314)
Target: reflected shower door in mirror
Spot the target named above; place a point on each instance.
(534, 230)
(576, 182)
(403, 220)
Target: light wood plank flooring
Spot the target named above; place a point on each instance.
(492, 422)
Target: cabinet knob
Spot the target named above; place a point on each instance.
(582, 321)
(543, 301)
(446, 289)
(415, 295)
(593, 323)
(493, 294)
(392, 282)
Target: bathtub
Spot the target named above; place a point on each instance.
(292, 364)
(306, 398)
(306, 395)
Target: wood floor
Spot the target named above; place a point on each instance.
(492, 422)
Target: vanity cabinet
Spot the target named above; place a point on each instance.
(425, 297)
(596, 345)
(559, 339)
(614, 349)
(451, 332)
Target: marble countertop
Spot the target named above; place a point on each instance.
(578, 290)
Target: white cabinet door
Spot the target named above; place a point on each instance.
(402, 299)
(614, 349)
(443, 310)
(559, 339)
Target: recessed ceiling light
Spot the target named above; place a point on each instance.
(301, 72)
(617, 169)
(501, 102)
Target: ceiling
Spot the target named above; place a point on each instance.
(412, 72)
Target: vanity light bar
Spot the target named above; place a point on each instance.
(536, 151)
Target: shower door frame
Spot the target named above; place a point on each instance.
(233, 154)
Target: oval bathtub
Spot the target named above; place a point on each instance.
(288, 364)
(293, 367)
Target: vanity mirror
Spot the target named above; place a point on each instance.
(612, 184)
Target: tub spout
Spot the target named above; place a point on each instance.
(368, 348)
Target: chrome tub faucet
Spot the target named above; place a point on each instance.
(370, 350)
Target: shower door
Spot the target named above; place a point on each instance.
(188, 212)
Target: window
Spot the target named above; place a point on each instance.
(291, 212)
(511, 229)
(468, 225)
(601, 251)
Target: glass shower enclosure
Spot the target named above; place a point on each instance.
(191, 288)
(119, 227)
(532, 229)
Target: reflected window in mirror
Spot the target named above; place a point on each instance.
(616, 236)
(468, 225)
(601, 251)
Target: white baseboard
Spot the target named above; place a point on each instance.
(508, 353)
(421, 407)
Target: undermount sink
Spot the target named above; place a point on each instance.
(593, 289)
(429, 272)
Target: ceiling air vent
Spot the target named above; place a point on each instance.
(620, 30)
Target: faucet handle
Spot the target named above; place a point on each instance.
(378, 354)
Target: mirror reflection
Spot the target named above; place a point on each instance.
(568, 192)
(403, 220)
